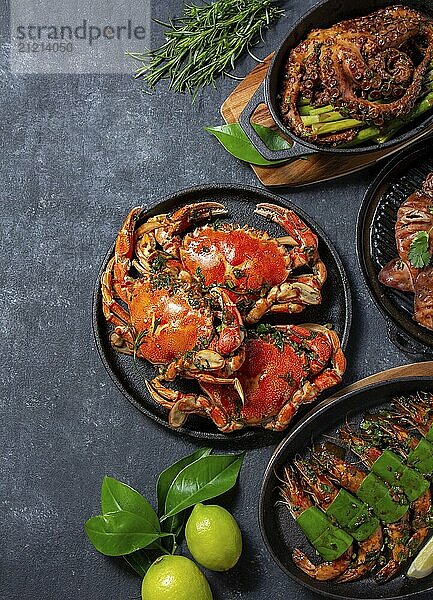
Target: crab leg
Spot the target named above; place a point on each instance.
(331, 376)
(306, 241)
(297, 291)
(124, 247)
(113, 311)
(168, 227)
(325, 379)
(181, 405)
(232, 334)
(292, 296)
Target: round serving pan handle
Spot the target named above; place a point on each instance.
(405, 344)
(295, 151)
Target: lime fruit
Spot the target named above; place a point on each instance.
(175, 578)
(423, 563)
(213, 537)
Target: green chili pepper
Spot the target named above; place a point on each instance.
(429, 435)
(421, 457)
(329, 541)
(391, 469)
(352, 515)
(374, 492)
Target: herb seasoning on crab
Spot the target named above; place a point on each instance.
(285, 366)
(183, 302)
(256, 269)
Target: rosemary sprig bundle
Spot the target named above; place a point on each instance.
(205, 43)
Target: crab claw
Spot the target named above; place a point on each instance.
(181, 405)
(167, 227)
(305, 240)
(232, 333)
(206, 360)
(124, 247)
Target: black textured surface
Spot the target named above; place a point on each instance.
(280, 531)
(77, 153)
(240, 202)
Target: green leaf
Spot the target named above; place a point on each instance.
(431, 210)
(234, 140)
(175, 524)
(167, 477)
(272, 139)
(419, 254)
(204, 479)
(121, 532)
(116, 495)
(139, 561)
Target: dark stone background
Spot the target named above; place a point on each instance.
(78, 152)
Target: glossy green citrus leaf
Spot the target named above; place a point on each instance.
(175, 523)
(202, 480)
(121, 532)
(167, 477)
(235, 141)
(116, 495)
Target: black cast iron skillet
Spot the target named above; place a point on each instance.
(323, 15)
(376, 242)
(336, 308)
(278, 528)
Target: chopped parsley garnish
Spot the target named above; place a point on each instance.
(217, 224)
(199, 275)
(156, 324)
(157, 263)
(419, 253)
(278, 337)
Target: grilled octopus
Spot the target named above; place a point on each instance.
(414, 215)
(382, 56)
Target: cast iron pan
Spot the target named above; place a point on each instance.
(279, 530)
(321, 16)
(376, 242)
(241, 201)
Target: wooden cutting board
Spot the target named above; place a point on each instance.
(422, 369)
(317, 167)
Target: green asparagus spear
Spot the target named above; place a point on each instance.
(334, 126)
(363, 135)
(326, 120)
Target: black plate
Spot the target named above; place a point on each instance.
(376, 241)
(336, 307)
(279, 530)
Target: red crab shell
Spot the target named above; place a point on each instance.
(269, 378)
(242, 258)
(176, 319)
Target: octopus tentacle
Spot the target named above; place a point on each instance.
(381, 57)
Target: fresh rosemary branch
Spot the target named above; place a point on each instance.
(205, 43)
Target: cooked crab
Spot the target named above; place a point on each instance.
(161, 314)
(260, 273)
(285, 366)
(256, 268)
